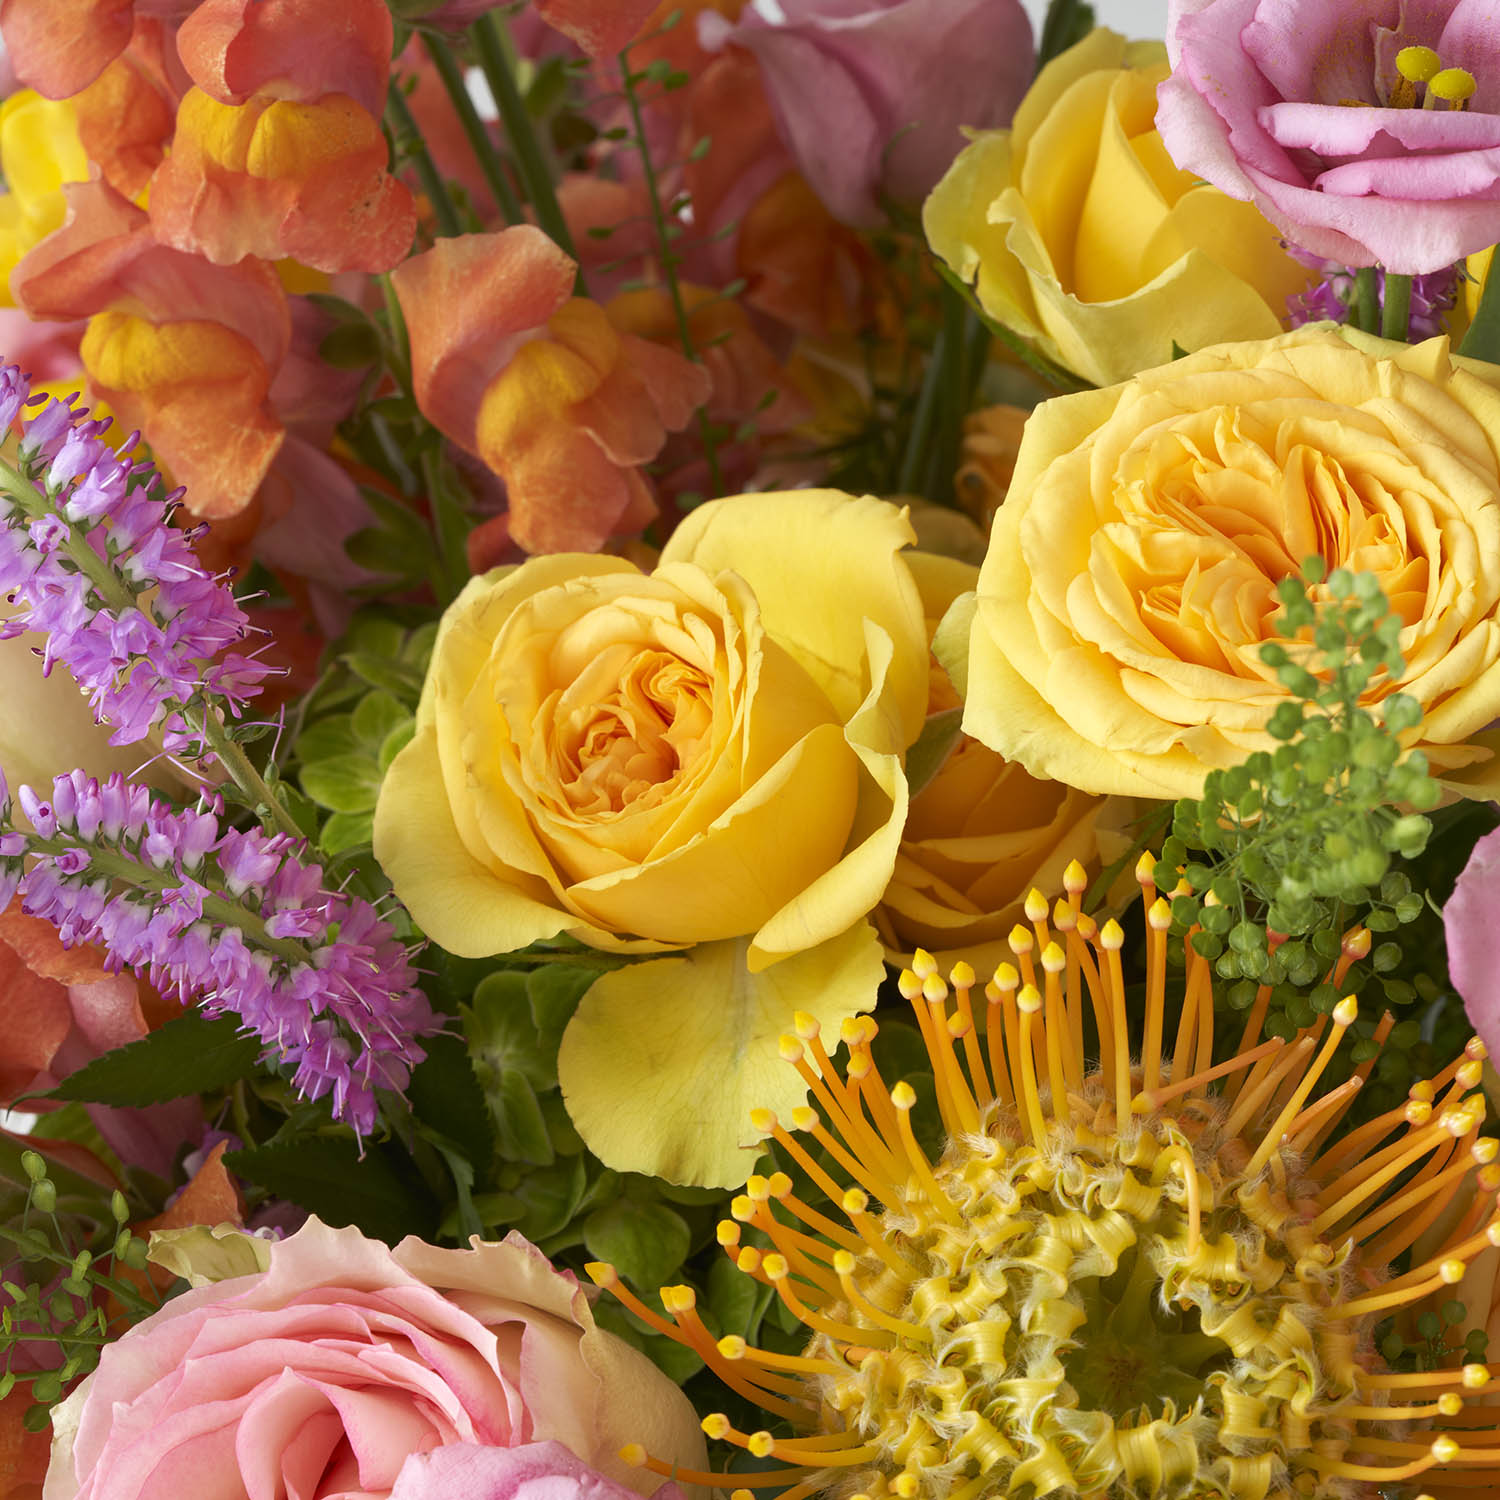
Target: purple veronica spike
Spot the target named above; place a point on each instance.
(1431, 296)
(88, 554)
(231, 919)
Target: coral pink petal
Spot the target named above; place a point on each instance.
(59, 47)
(74, 272)
(469, 303)
(600, 27)
(34, 1023)
(294, 49)
(677, 386)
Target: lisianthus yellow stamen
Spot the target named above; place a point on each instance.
(1142, 1277)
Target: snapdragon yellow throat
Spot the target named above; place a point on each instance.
(1153, 1278)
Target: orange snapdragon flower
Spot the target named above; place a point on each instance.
(600, 27)
(59, 47)
(126, 115)
(541, 385)
(181, 349)
(278, 149)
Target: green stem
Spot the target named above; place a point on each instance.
(399, 335)
(451, 528)
(952, 400)
(669, 260)
(490, 43)
(1058, 26)
(913, 461)
(1362, 308)
(69, 1182)
(490, 161)
(241, 771)
(1482, 341)
(1395, 312)
(409, 140)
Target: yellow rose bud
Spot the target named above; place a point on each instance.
(1078, 231)
(1131, 577)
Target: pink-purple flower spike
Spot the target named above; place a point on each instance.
(89, 556)
(231, 920)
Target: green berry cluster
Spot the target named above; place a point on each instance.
(55, 1293)
(1288, 851)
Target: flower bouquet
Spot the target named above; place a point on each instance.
(749, 747)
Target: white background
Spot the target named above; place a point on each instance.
(1133, 18)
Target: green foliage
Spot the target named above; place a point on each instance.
(190, 1054)
(1286, 852)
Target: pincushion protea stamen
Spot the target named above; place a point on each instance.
(1153, 1278)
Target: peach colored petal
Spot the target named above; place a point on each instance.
(469, 302)
(677, 386)
(197, 392)
(23, 1455)
(125, 121)
(34, 1023)
(277, 178)
(600, 27)
(294, 49)
(210, 1198)
(58, 47)
(38, 946)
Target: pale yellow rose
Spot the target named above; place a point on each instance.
(983, 831)
(707, 756)
(1130, 581)
(1079, 232)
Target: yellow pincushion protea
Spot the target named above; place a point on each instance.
(1153, 1279)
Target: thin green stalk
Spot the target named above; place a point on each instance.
(450, 525)
(913, 461)
(942, 457)
(241, 771)
(1362, 310)
(1395, 312)
(490, 161)
(490, 43)
(1058, 28)
(1482, 341)
(669, 260)
(399, 334)
(409, 139)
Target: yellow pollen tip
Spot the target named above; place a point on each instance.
(742, 1207)
(904, 1096)
(909, 985)
(780, 1184)
(923, 963)
(750, 1495)
(1087, 927)
(601, 1273)
(1020, 940)
(1468, 1074)
(763, 1121)
(1422, 1090)
(961, 976)
(1445, 1450)
(1145, 868)
(934, 989)
(678, 1299)
(1475, 1049)
(715, 1425)
(1492, 1234)
(1476, 1377)
(1356, 944)
(959, 1025)
(732, 1346)
(1489, 1178)
(1054, 960)
(775, 1267)
(1452, 84)
(1451, 1272)
(1417, 1112)
(1064, 918)
(728, 1233)
(1417, 64)
(1160, 914)
(760, 1444)
(804, 1117)
(1035, 906)
(1075, 878)
(748, 1260)
(1112, 936)
(843, 1263)
(906, 1486)
(1211, 899)
(806, 1026)
(757, 1187)
(1006, 976)
(790, 1049)
(634, 1455)
(1346, 1012)
(1485, 1150)
(1029, 1000)
(1450, 1403)
(855, 1202)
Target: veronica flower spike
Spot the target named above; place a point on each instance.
(232, 920)
(88, 555)
(1157, 1276)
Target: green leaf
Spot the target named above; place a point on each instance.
(520, 1131)
(551, 1196)
(395, 742)
(327, 739)
(931, 748)
(191, 1054)
(386, 672)
(1482, 341)
(503, 1034)
(445, 1095)
(645, 1242)
(344, 783)
(736, 1300)
(554, 992)
(344, 831)
(376, 716)
(381, 1194)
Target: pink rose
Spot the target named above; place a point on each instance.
(870, 95)
(535, 1471)
(1299, 106)
(1471, 923)
(324, 1374)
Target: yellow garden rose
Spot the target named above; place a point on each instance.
(1130, 581)
(703, 757)
(1079, 233)
(982, 832)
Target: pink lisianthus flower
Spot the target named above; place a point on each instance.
(324, 1374)
(1299, 105)
(534, 1471)
(871, 95)
(1473, 936)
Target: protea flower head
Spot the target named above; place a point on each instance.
(1154, 1276)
